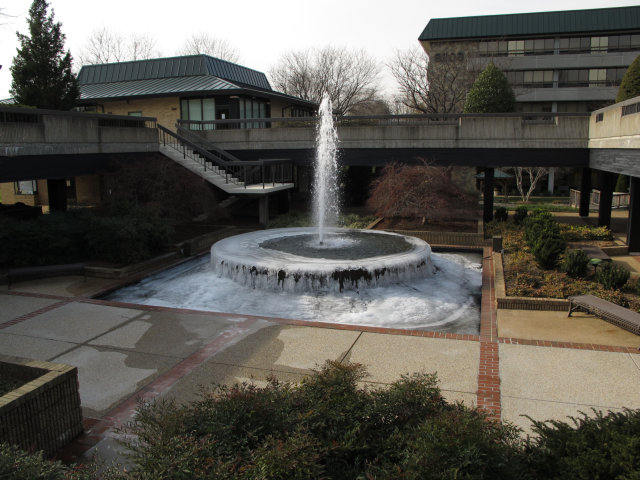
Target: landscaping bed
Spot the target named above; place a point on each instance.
(525, 278)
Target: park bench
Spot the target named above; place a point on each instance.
(28, 273)
(612, 313)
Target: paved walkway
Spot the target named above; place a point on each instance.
(535, 363)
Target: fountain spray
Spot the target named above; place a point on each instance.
(326, 202)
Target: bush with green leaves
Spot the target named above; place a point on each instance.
(601, 446)
(576, 263)
(16, 464)
(490, 93)
(547, 252)
(612, 276)
(630, 83)
(501, 214)
(81, 235)
(326, 427)
(520, 214)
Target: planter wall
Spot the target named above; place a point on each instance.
(44, 413)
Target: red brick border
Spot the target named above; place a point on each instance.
(489, 369)
(96, 429)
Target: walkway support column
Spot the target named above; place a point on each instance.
(607, 183)
(263, 210)
(585, 192)
(633, 224)
(57, 191)
(488, 195)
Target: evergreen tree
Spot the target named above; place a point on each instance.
(490, 93)
(630, 84)
(41, 70)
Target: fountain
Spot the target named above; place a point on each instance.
(324, 273)
(322, 258)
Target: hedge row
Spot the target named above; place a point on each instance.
(80, 235)
(329, 428)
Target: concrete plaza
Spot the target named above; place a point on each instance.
(540, 364)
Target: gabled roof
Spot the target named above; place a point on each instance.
(541, 23)
(174, 67)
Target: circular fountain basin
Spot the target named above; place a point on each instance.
(292, 259)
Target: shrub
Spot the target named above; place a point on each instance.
(326, 427)
(605, 446)
(501, 214)
(18, 465)
(490, 93)
(520, 214)
(630, 83)
(547, 251)
(577, 233)
(612, 275)
(576, 263)
(80, 235)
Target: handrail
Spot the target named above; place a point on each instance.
(235, 171)
(357, 120)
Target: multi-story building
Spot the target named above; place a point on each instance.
(564, 61)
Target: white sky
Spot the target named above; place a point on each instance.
(263, 30)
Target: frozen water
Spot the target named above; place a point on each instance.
(283, 259)
(447, 301)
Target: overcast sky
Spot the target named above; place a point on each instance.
(262, 30)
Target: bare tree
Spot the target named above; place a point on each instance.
(420, 191)
(439, 85)
(106, 46)
(534, 174)
(203, 43)
(349, 77)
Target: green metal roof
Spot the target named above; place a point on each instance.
(174, 67)
(541, 23)
(154, 87)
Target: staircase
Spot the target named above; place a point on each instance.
(223, 170)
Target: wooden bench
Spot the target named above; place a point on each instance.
(612, 313)
(27, 273)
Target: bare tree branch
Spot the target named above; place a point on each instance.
(420, 191)
(534, 174)
(436, 86)
(203, 43)
(106, 46)
(349, 77)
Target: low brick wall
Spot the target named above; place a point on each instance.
(449, 238)
(44, 413)
(522, 303)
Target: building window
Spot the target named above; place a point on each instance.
(630, 109)
(531, 78)
(599, 117)
(516, 48)
(252, 108)
(594, 77)
(599, 44)
(198, 110)
(134, 114)
(26, 187)
(597, 77)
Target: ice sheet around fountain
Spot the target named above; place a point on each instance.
(447, 301)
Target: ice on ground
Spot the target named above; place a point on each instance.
(448, 301)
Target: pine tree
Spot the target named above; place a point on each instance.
(490, 93)
(41, 70)
(630, 84)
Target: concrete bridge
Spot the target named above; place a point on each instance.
(51, 144)
(450, 139)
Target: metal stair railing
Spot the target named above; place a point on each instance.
(235, 171)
